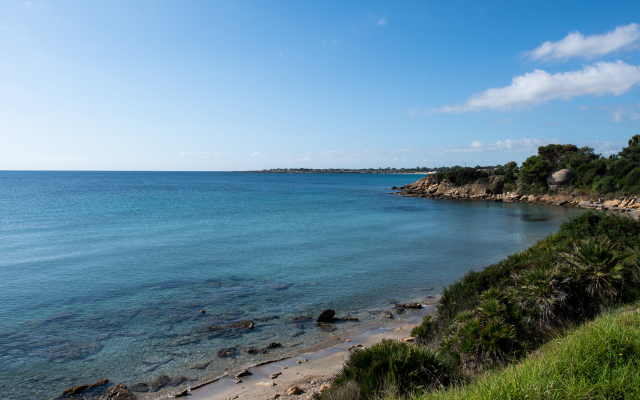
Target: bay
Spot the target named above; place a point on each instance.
(105, 274)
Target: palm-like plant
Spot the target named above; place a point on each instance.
(539, 293)
(597, 268)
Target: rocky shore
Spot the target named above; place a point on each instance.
(428, 187)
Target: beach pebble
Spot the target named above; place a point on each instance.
(275, 396)
(275, 375)
(293, 390)
(323, 388)
(285, 367)
(301, 361)
(348, 340)
(265, 383)
(238, 381)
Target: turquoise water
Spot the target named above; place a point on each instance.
(104, 274)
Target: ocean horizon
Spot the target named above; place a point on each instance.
(131, 276)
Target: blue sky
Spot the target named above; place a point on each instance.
(241, 85)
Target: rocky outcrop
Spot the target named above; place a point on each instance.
(428, 187)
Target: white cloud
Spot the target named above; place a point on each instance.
(193, 153)
(382, 22)
(540, 86)
(576, 44)
(617, 116)
(258, 154)
(604, 147)
(508, 145)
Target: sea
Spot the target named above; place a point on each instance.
(161, 280)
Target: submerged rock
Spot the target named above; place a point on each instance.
(118, 392)
(141, 387)
(159, 383)
(81, 388)
(227, 352)
(413, 305)
(273, 345)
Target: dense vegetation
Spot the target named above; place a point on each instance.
(498, 316)
(593, 173)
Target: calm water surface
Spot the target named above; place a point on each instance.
(104, 274)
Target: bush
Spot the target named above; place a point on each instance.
(398, 367)
(426, 330)
(600, 360)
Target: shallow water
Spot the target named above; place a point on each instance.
(104, 274)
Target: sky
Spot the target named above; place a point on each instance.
(248, 85)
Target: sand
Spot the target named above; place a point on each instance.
(315, 370)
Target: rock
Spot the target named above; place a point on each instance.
(275, 396)
(348, 340)
(408, 340)
(293, 390)
(160, 382)
(285, 367)
(324, 388)
(238, 381)
(559, 179)
(301, 361)
(141, 387)
(81, 388)
(387, 315)
(327, 316)
(243, 373)
(227, 352)
(265, 383)
(273, 345)
(412, 305)
(203, 311)
(350, 319)
(275, 375)
(182, 393)
(118, 392)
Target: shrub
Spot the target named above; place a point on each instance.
(395, 366)
(599, 360)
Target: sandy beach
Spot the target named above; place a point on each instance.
(309, 372)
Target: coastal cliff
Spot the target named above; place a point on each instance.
(429, 187)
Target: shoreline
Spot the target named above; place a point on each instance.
(322, 360)
(426, 188)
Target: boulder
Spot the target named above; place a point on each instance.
(118, 392)
(327, 316)
(559, 179)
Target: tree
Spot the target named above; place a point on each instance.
(555, 154)
(535, 169)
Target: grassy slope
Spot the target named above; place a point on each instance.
(599, 360)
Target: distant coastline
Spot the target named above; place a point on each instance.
(417, 171)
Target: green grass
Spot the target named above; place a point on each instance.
(599, 360)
